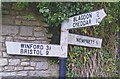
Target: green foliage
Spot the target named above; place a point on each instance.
(57, 12)
(29, 16)
(21, 5)
(53, 61)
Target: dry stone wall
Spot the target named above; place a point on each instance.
(18, 29)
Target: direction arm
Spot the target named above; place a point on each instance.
(86, 19)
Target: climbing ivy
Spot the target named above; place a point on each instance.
(57, 12)
(21, 5)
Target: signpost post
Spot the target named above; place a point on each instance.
(64, 44)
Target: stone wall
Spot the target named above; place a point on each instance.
(17, 28)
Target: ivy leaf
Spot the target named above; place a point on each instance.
(46, 10)
(84, 58)
(41, 10)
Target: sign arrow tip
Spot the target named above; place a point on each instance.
(103, 12)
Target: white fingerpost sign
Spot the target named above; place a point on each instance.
(84, 41)
(31, 49)
(86, 19)
(82, 20)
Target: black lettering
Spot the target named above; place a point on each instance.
(79, 18)
(78, 39)
(87, 15)
(37, 52)
(28, 46)
(22, 45)
(74, 19)
(82, 16)
(74, 24)
(41, 47)
(21, 51)
(82, 20)
(30, 51)
(93, 41)
(88, 41)
(90, 15)
(96, 42)
(25, 51)
(48, 47)
(89, 21)
(38, 46)
(41, 53)
(86, 22)
(34, 51)
(82, 23)
(98, 20)
(34, 46)
(47, 52)
(97, 14)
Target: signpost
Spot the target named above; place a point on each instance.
(86, 19)
(82, 20)
(30, 49)
(84, 41)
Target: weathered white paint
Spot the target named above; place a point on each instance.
(64, 39)
(86, 19)
(30, 49)
(84, 41)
